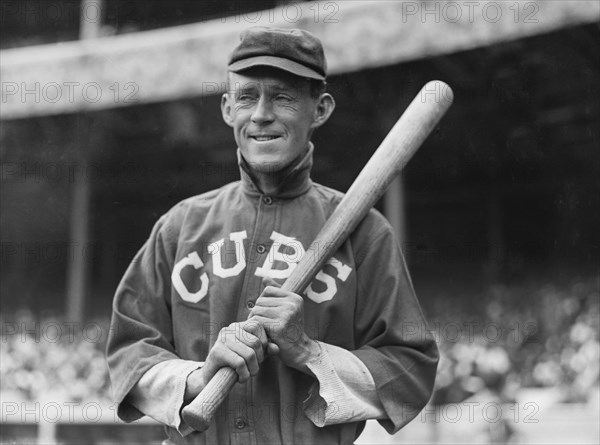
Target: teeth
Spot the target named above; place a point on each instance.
(265, 138)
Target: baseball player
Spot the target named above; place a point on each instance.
(203, 291)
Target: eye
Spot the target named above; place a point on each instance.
(244, 97)
(284, 98)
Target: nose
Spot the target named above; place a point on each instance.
(263, 112)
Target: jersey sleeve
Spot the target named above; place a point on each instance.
(395, 342)
(140, 333)
(344, 390)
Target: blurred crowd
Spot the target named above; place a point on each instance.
(53, 359)
(529, 336)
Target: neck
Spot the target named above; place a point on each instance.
(268, 183)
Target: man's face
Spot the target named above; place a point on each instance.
(272, 115)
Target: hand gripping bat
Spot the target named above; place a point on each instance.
(403, 140)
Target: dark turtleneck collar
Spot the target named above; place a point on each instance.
(294, 180)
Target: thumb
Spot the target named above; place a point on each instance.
(268, 281)
(272, 349)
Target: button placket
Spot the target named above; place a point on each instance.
(242, 429)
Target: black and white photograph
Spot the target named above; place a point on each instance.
(299, 222)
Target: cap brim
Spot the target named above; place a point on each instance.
(276, 62)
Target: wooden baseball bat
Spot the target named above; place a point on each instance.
(403, 140)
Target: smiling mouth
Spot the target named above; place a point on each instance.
(264, 138)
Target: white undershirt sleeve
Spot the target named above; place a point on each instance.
(344, 391)
(159, 393)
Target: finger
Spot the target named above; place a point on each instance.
(291, 303)
(256, 338)
(276, 294)
(269, 324)
(268, 281)
(255, 328)
(235, 361)
(274, 291)
(236, 333)
(255, 343)
(250, 357)
(268, 302)
(245, 344)
(268, 313)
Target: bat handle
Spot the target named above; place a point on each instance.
(199, 413)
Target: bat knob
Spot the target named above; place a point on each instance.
(197, 418)
(199, 413)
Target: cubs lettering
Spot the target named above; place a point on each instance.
(191, 260)
(282, 259)
(215, 250)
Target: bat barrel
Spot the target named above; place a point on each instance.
(406, 136)
(403, 140)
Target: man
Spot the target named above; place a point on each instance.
(203, 292)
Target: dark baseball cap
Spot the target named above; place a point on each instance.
(294, 50)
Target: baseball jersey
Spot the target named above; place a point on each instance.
(202, 269)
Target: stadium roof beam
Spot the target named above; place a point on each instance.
(189, 60)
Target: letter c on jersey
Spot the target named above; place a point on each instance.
(191, 297)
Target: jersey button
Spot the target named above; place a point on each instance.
(240, 423)
(250, 304)
(268, 200)
(261, 249)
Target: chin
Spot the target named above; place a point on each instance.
(266, 159)
(268, 165)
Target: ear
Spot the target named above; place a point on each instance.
(325, 106)
(226, 109)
